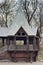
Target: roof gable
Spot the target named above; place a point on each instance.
(21, 21)
(21, 30)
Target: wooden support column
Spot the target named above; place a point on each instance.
(14, 42)
(35, 47)
(31, 57)
(27, 50)
(3, 41)
(27, 43)
(7, 42)
(15, 49)
(34, 43)
(37, 42)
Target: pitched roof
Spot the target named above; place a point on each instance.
(3, 31)
(19, 21)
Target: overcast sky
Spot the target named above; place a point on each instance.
(2, 1)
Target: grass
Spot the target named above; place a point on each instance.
(40, 56)
(1, 45)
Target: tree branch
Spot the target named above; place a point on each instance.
(32, 14)
(33, 11)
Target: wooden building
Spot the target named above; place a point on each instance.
(22, 40)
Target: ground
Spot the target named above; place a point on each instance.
(21, 63)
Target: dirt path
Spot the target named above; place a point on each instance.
(21, 63)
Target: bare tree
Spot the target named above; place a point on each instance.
(1, 19)
(41, 16)
(26, 8)
(6, 10)
(35, 12)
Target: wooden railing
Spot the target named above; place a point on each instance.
(29, 47)
(21, 47)
(18, 47)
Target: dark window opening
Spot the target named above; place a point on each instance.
(23, 33)
(30, 40)
(18, 33)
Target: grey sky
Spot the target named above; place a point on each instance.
(2, 1)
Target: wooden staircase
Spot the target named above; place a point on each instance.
(3, 52)
(3, 49)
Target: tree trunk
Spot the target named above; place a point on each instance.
(6, 20)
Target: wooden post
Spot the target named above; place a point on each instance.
(27, 43)
(7, 43)
(31, 57)
(37, 42)
(34, 43)
(27, 49)
(15, 49)
(3, 41)
(35, 48)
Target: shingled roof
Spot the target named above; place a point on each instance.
(19, 21)
(3, 31)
